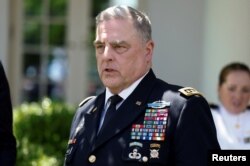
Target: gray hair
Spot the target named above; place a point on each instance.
(140, 19)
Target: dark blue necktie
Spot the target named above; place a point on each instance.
(114, 100)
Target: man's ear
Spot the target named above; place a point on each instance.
(149, 50)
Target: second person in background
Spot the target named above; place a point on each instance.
(231, 116)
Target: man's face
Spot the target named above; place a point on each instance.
(234, 93)
(122, 55)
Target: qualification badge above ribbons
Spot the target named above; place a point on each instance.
(154, 124)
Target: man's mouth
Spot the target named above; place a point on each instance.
(109, 70)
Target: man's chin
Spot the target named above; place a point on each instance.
(110, 85)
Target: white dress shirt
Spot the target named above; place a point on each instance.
(233, 130)
(123, 94)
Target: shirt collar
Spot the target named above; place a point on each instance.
(227, 114)
(126, 92)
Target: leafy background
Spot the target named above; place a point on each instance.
(42, 131)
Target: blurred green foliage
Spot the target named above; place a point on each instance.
(42, 131)
(32, 32)
(57, 34)
(58, 7)
(33, 7)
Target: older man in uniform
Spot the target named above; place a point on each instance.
(138, 119)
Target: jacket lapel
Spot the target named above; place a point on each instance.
(130, 109)
(92, 119)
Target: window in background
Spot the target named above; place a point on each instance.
(44, 49)
(95, 86)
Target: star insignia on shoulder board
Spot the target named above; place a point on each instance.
(189, 91)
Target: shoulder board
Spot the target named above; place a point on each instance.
(189, 91)
(213, 106)
(85, 100)
(248, 108)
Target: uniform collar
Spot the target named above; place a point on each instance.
(229, 117)
(226, 113)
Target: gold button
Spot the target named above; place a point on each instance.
(145, 159)
(92, 158)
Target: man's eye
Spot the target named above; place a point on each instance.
(120, 49)
(99, 48)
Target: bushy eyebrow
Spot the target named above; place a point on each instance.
(117, 42)
(96, 42)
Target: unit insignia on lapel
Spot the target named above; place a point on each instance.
(138, 103)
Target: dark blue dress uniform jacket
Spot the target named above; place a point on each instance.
(189, 134)
(7, 140)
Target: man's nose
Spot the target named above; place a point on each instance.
(108, 52)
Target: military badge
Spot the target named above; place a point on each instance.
(154, 153)
(159, 104)
(134, 154)
(154, 124)
(135, 144)
(155, 145)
